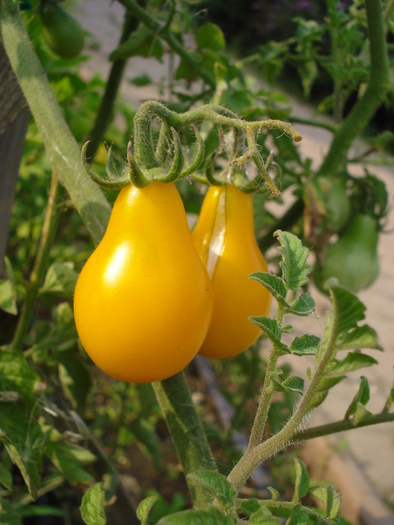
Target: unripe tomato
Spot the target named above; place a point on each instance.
(62, 32)
(353, 259)
(143, 301)
(224, 238)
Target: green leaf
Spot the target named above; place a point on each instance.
(8, 515)
(7, 297)
(144, 508)
(349, 310)
(330, 498)
(16, 374)
(298, 517)
(210, 36)
(143, 42)
(6, 477)
(197, 517)
(305, 345)
(68, 458)
(317, 399)
(360, 414)
(263, 517)
(215, 484)
(274, 493)
(360, 337)
(92, 507)
(294, 384)
(60, 280)
(272, 330)
(23, 440)
(302, 480)
(249, 506)
(273, 284)
(294, 267)
(329, 382)
(353, 361)
(362, 396)
(75, 379)
(304, 305)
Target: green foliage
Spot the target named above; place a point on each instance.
(49, 385)
(92, 508)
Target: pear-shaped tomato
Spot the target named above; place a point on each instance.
(353, 258)
(62, 32)
(143, 301)
(224, 238)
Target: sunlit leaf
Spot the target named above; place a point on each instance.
(92, 507)
(295, 269)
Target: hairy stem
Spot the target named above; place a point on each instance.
(40, 264)
(266, 393)
(365, 107)
(187, 433)
(163, 30)
(62, 150)
(105, 112)
(143, 146)
(340, 426)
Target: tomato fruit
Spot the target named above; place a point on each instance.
(143, 301)
(224, 238)
(353, 258)
(62, 32)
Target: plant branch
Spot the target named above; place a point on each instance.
(253, 457)
(105, 112)
(62, 150)
(340, 426)
(165, 33)
(266, 393)
(40, 264)
(375, 92)
(187, 433)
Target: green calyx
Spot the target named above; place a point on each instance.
(166, 162)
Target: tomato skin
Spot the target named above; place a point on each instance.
(352, 259)
(62, 32)
(226, 219)
(143, 301)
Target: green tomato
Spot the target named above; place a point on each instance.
(62, 32)
(336, 201)
(353, 258)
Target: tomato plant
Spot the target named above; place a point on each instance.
(143, 300)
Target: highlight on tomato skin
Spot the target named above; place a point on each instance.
(143, 300)
(224, 238)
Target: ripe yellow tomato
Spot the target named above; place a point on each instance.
(224, 238)
(143, 301)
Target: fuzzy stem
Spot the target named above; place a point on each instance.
(164, 32)
(285, 508)
(376, 90)
(253, 457)
(340, 426)
(105, 112)
(266, 393)
(62, 150)
(143, 145)
(187, 433)
(40, 264)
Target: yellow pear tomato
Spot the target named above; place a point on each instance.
(224, 238)
(143, 301)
